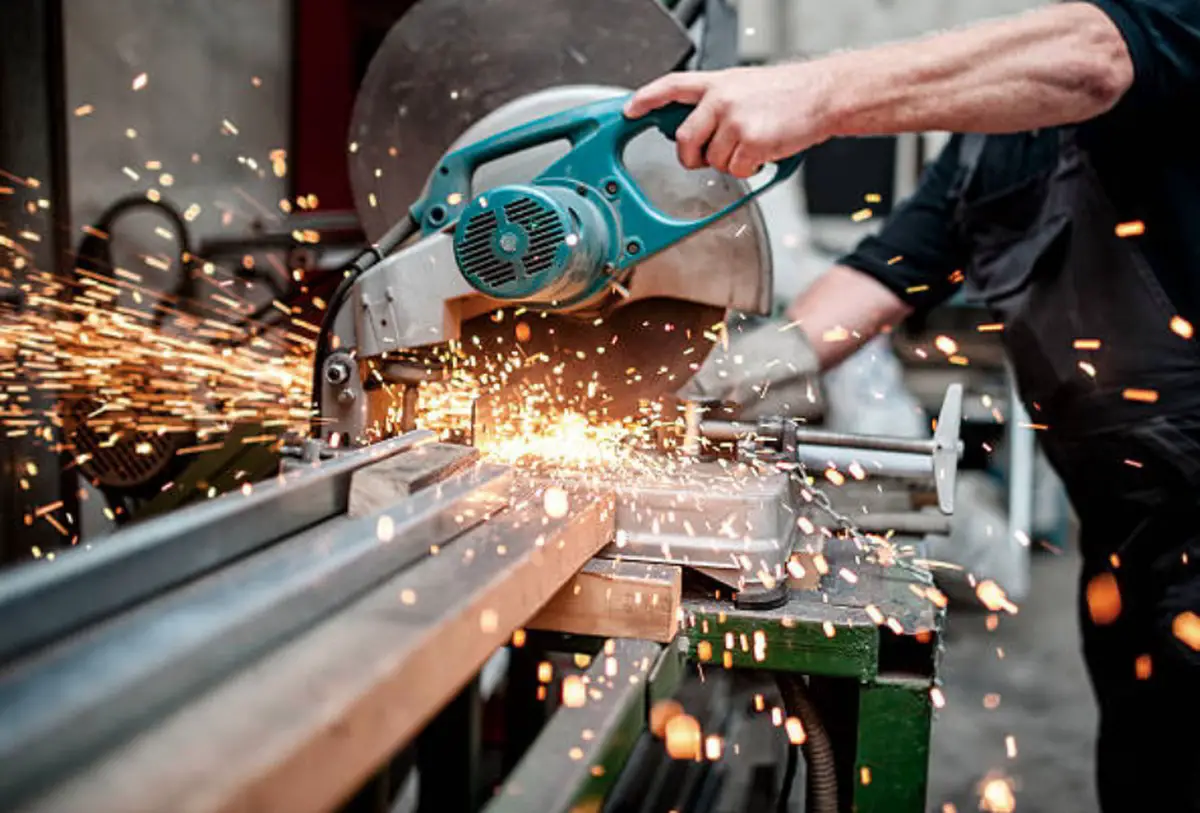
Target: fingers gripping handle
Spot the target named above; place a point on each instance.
(598, 134)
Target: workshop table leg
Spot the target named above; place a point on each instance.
(892, 765)
(448, 756)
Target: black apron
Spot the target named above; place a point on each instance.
(1114, 390)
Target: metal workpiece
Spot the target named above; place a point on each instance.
(41, 601)
(734, 525)
(299, 728)
(579, 755)
(69, 702)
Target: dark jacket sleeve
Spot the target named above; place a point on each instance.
(917, 254)
(1163, 37)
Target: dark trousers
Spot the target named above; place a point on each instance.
(1143, 657)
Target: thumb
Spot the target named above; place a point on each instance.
(687, 88)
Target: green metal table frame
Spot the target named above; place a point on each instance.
(872, 681)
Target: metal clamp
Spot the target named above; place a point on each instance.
(785, 439)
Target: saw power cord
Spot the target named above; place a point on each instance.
(818, 750)
(364, 262)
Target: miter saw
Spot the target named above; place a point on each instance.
(552, 206)
(581, 240)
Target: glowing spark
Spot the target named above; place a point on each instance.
(662, 713)
(992, 596)
(556, 502)
(140, 81)
(1186, 627)
(1182, 327)
(1133, 228)
(574, 692)
(713, 746)
(1144, 396)
(1103, 599)
(947, 345)
(385, 529)
(997, 797)
(795, 731)
(683, 737)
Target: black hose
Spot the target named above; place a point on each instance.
(818, 750)
(363, 262)
(94, 252)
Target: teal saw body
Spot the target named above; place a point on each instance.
(563, 238)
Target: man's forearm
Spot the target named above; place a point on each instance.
(1059, 65)
(843, 310)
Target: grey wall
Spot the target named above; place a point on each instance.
(200, 57)
(774, 28)
(817, 26)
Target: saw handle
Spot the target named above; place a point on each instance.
(598, 134)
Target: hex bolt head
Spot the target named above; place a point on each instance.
(337, 372)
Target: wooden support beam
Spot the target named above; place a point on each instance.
(381, 485)
(302, 728)
(615, 599)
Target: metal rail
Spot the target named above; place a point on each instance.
(43, 601)
(732, 431)
(65, 705)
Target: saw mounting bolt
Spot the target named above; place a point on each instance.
(337, 372)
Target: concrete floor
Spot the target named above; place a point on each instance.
(1045, 702)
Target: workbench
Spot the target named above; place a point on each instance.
(277, 650)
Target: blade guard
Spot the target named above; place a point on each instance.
(598, 134)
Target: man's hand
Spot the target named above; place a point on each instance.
(744, 117)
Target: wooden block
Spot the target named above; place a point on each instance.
(375, 487)
(615, 599)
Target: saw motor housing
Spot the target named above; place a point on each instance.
(540, 246)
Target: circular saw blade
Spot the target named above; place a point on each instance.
(448, 63)
(454, 71)
(607, 368)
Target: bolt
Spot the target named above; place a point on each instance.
(346, 397)
(337, 372)
(632, 247)
(611, 187)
